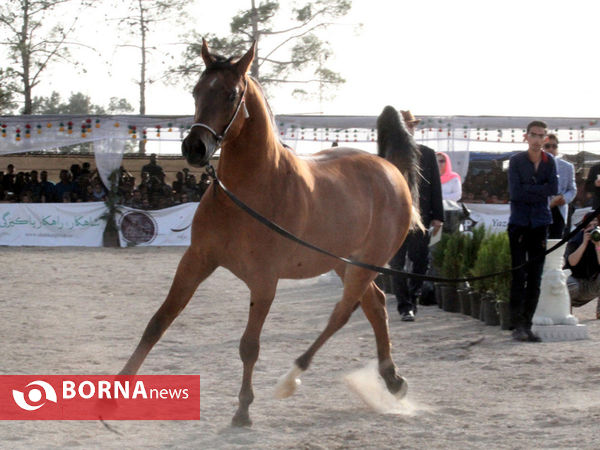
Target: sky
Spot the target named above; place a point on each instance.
(518, 58)
(461, 57)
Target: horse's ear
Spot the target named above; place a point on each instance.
(206, 56)
(243, 64)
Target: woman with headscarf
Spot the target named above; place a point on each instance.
(451, 183)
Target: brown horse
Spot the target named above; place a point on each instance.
(346, 201)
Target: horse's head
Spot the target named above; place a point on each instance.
(219, 97)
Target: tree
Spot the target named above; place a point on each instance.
(33, 41)
(144, 16)
(295, 49)
(78, 103)
(7, 91)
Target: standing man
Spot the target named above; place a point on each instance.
(531, 180)
(416, 244)
(567, 190)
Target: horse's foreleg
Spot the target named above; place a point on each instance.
(260, 303)
(192, 270)
(355, 283)
(373, 305)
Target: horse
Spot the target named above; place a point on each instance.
(350, 202)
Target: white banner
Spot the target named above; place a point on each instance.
(163, 227)
(52, 224)
(494, 217)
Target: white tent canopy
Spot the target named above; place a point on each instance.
(452, 134)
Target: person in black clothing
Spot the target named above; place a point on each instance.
(47, 194)
(416, 245)
(152, 167)
(531, 180)
(592, 185)
(582, 256)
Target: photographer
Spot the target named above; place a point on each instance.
(582, 256)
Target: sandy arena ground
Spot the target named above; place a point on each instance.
(82, 311)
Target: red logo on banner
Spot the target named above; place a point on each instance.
(93, 397)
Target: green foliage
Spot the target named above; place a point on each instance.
(454, 255)
(503, 262)
(472, 244)
(35, 36)
(437, 254)
(8, 88)
(493, 256)
(297, 47)
(78, 103)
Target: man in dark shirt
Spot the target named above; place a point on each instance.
(582, 256)
(152, 167)
(416, 245)
(531, 180)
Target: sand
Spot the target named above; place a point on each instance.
(82, 311)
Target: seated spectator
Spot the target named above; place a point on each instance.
(98, 191)
(136, 200)
(177, 185)
(64, 186)
(47, 194)
(191, 189)
(8, 180)
(34, 186)
(582, 256)
(203, 184)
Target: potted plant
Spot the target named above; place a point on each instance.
(452, 268)
(472, 242)
(484, 263)
(502, 286)
(437, 260)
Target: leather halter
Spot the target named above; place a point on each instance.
(220, 137)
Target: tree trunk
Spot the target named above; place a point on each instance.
(142, 145)
(25, 58)
(255, 68)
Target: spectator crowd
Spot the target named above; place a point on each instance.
(81, 184)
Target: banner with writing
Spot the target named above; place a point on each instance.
(163, 227)
(52, 224)
(493, 217)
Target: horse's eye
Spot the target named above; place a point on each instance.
(232, 96)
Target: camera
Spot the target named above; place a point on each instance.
(595, 234)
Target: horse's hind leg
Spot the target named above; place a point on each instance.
(355, 282)
(373, 305)
(260, 303)
(192, 270)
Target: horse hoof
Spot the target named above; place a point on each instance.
(401, 393)
(241, 420)
(287, 384)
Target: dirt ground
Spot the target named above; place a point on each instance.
(82, 311)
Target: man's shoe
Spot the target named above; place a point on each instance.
(408, 316)
(532, 337)
(520, 334)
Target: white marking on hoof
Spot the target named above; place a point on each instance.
(403, 390)
(288, 383)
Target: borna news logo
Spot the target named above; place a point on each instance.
(93, 397)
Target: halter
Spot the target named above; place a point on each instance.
(220, 137)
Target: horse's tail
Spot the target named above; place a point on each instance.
(396, 144)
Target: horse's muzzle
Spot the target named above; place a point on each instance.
(197, 150)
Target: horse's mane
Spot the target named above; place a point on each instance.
(269, 110)
(397, 145)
